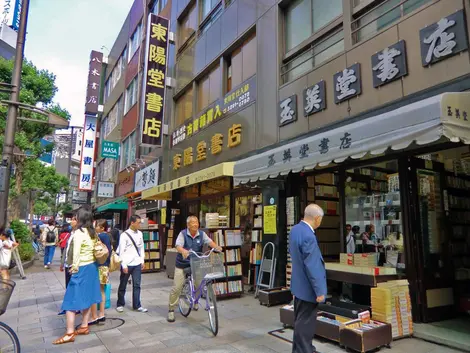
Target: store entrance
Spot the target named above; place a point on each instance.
(440, 224)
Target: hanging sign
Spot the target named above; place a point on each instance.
(85, 182)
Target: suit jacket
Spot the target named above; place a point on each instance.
(308, 279)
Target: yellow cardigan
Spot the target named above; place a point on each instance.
(83, 247)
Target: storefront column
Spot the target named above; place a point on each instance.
(274, 195)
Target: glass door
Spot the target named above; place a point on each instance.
(430, 238)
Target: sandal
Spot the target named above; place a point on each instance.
(82, 331)
(63, 339)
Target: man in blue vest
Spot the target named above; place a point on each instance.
(190, 238)
(308, 282)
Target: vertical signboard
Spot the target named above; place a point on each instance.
(94, 81)
(85, 182)
(11, 10)
(154, 77)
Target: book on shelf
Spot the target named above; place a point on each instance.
(234, 270)
(256, 253)
(232, 255)
(219, 288)
(219, 237)
(233, 237)
(258, 222)
(234, 286)
(256, 235)
(258, 210)
(152, 245)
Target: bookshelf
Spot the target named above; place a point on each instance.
(171, 237)
(256, 251)
(322, 189)
(293, 215)
(231, 242)
(152, 261)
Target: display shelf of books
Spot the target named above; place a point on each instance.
(292, 212)
(231, 242)
(171, 237)
(256, 239)
(152, 261)
(322, 189)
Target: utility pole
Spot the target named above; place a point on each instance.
(12, 116)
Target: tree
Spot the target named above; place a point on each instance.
(38, 89)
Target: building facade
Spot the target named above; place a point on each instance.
(275, 104)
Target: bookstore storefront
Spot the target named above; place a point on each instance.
(395, 189)
(232, 217)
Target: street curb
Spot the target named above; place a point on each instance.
(26, 265)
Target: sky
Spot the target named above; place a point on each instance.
(60, 36)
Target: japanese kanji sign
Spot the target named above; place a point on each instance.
(235, 100)
(147, 177)
(106, 189)
(85, 181)
(94, 80)
(389, 64)
(347, 83)
(155, 76)
(314, 98)
(288, 110)
(443, 39)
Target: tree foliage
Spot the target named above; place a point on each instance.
(38, 89)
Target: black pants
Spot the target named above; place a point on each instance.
(67, 276)
(305, 318)
(136, 273)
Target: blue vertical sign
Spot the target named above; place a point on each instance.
(15, 24)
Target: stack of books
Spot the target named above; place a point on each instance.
(391, 303)
(365, 260)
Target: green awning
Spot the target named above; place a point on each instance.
(117, 205)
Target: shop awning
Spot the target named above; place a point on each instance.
(119, 204)
(163, 191)
(422, 122)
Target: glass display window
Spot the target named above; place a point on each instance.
(215, 186)
(216, 205)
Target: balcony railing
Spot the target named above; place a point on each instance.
(371, 16)
(315, 54)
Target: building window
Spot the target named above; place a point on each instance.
(131, 94)
(305, 17)
(207, 6)
(135, 40)
(373, 19)
(318, 52)
(242, 63)
(208, 89)
(128, 151)
(107, 89)
(184, 107)
(187, 26)
(159, 6)
(114, 117)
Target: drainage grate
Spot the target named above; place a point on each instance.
(110, 324)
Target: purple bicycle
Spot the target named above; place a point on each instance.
(205, 268)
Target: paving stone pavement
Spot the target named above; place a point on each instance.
(244, 324)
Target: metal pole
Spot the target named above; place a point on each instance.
(10, 129)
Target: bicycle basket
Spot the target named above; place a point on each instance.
(6, 289)
(208, 268)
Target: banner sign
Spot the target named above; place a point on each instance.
(85, 182)
(106, 189)
(147, 178)
(79, 197)
(110, 149)
(94, 80)
(155, 76)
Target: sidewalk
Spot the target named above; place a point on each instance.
(244, 323)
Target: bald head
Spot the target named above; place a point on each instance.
(313, 215)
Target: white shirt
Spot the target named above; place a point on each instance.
(127, 251)
(350, 243)
(5, 253)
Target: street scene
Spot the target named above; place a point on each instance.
(235, 176)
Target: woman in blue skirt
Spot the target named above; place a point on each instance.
(84, 287)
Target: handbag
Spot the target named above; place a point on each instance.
(101, 252)
(12, 264)
(115, 262)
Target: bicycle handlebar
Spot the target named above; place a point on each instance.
(204, 255)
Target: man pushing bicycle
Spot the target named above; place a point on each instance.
(188, 239)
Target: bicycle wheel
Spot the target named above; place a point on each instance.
(212, 311)
(185, 303)
(9, 342)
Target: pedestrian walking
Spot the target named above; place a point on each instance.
(131, 251)
(83, 289)
(6, 248)
(63, 238)
(103, 272)
(308, 282)
(68, 256)
(115, 235)
(50, 237)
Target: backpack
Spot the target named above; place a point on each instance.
(50, 236)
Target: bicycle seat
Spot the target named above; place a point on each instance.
(187, 272)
